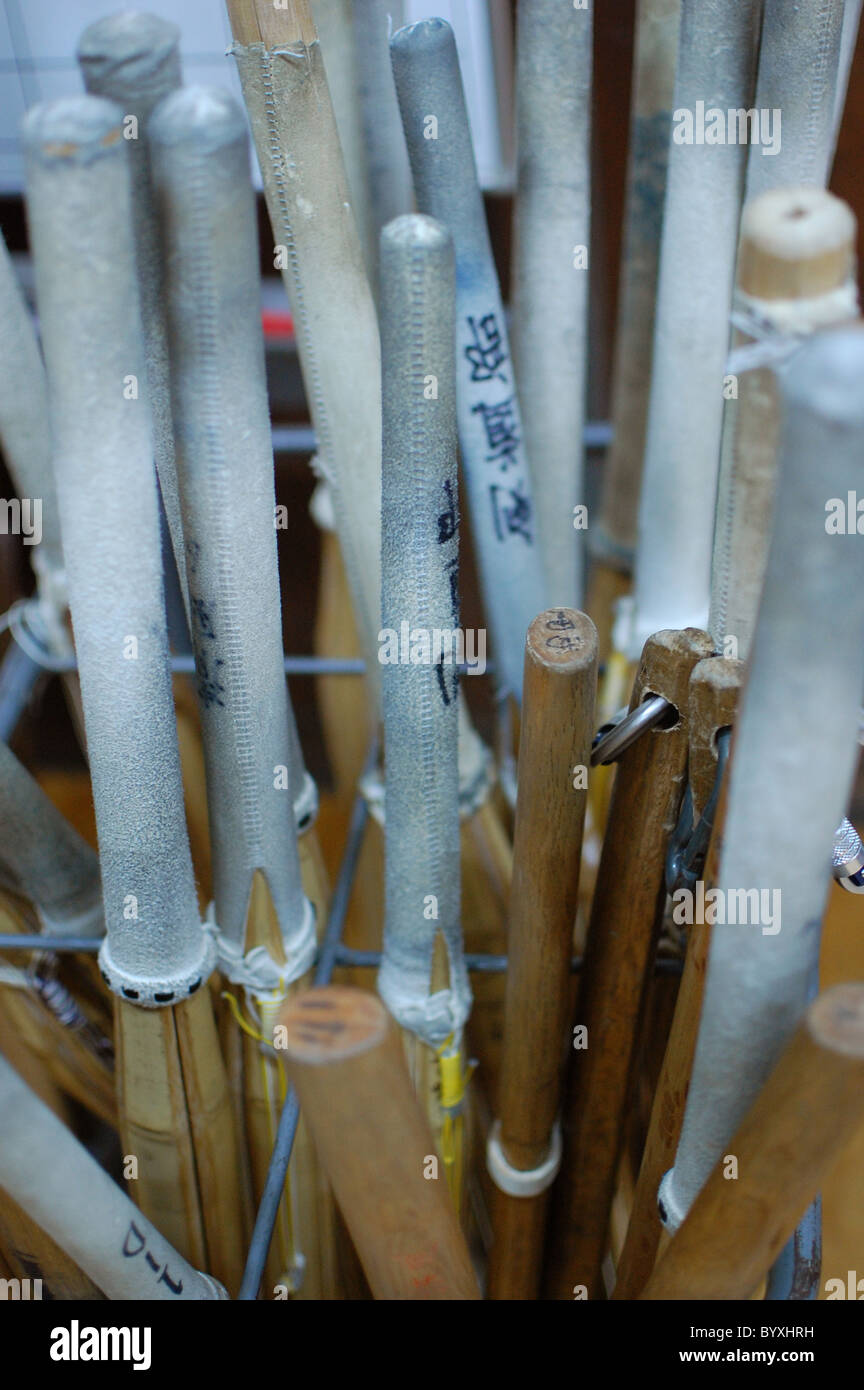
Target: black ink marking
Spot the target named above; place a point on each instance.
(502, 436)
(207, 664)
(449, 690)
(210, 688)
(193, 555)
(511, 518)
(486, 354)
(453, 567)
(203, 618)
(165, 1279)
(448, 521)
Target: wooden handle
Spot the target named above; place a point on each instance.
(714, 688)
(259, 21)
(796, 243)
(811, 1105)
(554, 752)
(619, 955)
(177, 1120)
(343, 1054)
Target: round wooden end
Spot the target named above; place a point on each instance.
(796, 243)
(330, 1025)
(562, 638)
(836, 1020)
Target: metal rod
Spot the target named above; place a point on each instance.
(479, 963)
(183, 664)
(19, 672)
(35, 941)
(302, 439)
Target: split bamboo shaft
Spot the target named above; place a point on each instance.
(345, 1058)
(555, 748)
(257, 786)
(285, 89)
(254, 767)
(714, 687)
(622, 936)
(810, 1106)
(62, 1038)
(155, 957)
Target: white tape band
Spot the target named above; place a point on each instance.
(518, 1182)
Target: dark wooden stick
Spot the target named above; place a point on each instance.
(811, 1105)
(555, 748)
(714, 688)
(622, 937)
(344, 1056)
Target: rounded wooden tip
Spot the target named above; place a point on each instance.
(720, 673)
(795, 243)
(563, 639)
(331, 1025)
(835, 1020)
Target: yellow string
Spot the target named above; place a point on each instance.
(238, 1017)
(454, 1079)
(284, 1233)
